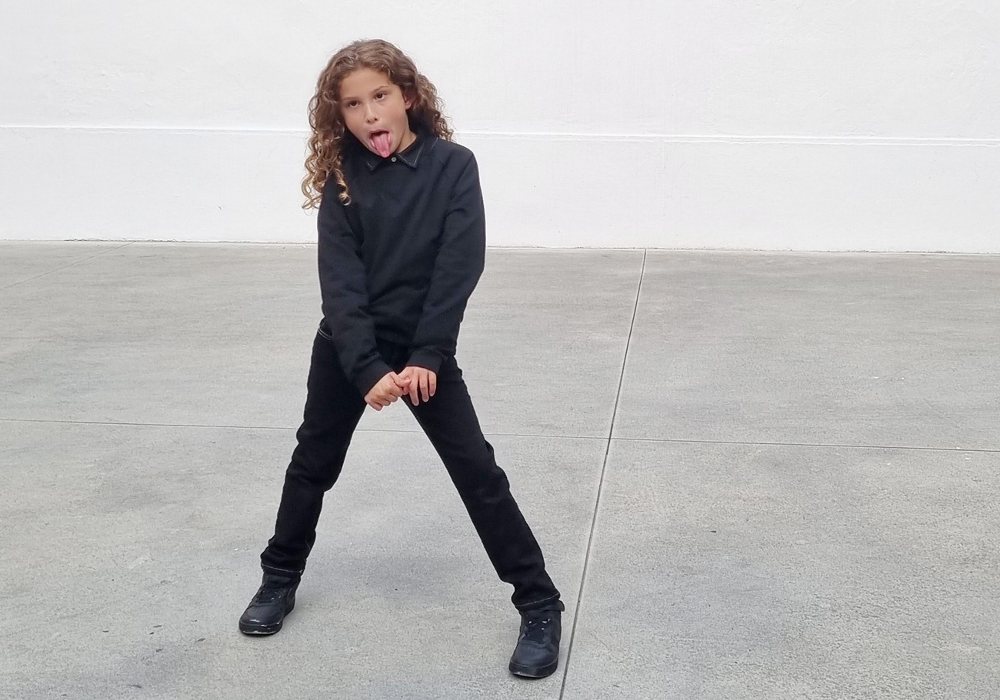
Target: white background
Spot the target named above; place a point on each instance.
(824, 125)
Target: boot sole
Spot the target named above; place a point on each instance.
(264, 630)
(533, 671)
(259, 630)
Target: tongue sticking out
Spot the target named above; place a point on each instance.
(382, 141)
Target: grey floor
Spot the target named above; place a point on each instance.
(753, 476)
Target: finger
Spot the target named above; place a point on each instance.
(434, 383)
(411, 390)
(424, 388)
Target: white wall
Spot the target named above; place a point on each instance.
(824, 125)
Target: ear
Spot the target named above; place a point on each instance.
(409, 100)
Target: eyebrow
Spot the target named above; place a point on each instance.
(345, 98)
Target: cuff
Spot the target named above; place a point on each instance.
(427, 358)
(369, 376)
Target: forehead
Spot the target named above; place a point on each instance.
(362, 81)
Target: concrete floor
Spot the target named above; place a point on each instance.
(753, 476)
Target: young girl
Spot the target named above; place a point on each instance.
(401, 248)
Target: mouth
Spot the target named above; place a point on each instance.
(380, 141)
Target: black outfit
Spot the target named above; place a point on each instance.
(397, 265)
(401, 260)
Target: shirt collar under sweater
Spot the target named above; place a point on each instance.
(409, 155)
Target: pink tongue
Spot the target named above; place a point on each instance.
(383, 143)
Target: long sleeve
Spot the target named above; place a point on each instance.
(457, 268)
(343, 284)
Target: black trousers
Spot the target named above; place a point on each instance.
(332, 412)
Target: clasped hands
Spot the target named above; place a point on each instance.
(418, 382)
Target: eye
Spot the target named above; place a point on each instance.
(379, 95)
(351, 103)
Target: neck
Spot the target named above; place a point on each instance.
(408, 138)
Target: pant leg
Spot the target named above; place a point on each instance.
(332, 412)
(449, 420)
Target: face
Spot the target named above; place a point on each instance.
(374, 110)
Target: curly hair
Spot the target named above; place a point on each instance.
(330, 136)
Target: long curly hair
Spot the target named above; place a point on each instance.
(330, 137)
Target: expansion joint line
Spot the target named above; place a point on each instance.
(600, 485)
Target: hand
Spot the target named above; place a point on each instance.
(420, 379)
(386, 391)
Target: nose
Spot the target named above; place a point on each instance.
(370, 115)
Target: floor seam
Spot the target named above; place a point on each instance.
(811, 444)
(600, 485)
(277, 427)
(67, 265)
(681, 441)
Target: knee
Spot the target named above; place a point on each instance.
(317, 465)
(488, 483)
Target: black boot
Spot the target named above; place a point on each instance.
(537, 652)
(274, 599)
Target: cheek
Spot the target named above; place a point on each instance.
(354, 125)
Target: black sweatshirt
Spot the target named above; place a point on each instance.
(400, 261)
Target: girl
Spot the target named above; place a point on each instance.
(401, 248)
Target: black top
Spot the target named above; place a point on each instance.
(400, 261)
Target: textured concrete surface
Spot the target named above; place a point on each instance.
(753, 475)
(764, 571)
(845, 349)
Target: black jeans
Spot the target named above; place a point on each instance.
(332, 412)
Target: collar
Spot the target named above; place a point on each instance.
(410, 155)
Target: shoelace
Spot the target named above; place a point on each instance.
(534, 628)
